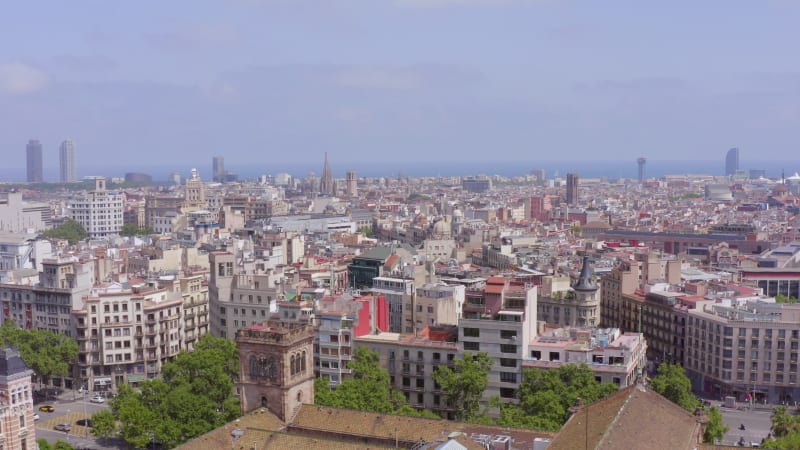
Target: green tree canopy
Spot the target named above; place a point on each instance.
(48, 353)
(715, 429)
(369, 389)
(70, 230)
(546, 395)
(194, 396)
(131, 229)
(103, 424)
(672, 383)
(464, 384)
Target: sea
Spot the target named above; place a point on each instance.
(553, 169)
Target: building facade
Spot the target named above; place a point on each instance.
(17, 429)
(33, 156)
(100, 212)
(66, 159)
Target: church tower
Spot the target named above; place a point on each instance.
(326, 185)
(276, 367)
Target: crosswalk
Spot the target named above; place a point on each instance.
(70, 418)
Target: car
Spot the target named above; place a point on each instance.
(98, 399)
(35, 416)
(65, 427)
(46, 408)
(84, 422)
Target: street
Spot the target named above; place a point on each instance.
(756, 422)
(70, 411)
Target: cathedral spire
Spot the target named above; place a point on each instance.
(326, 183)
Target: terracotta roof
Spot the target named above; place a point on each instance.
(260, 419)
(633, 418)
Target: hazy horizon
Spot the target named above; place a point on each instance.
(136, 83)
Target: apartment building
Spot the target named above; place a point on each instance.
(613, 356)
(500, 320)
(126, 333)
(575, 305)
(433, 304)
(340, 320)
(748, 349)
(398, 292)
(48, 304)
(240, 295)
(18, 216)
(22, 251)
(411, 361)
(100, 212)
(193, 288)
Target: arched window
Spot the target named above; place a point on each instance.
(303, 363)
(291, 365)
(253, 366)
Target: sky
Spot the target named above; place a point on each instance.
(265, 82)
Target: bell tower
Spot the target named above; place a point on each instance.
(276, 367)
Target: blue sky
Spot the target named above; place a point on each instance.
(268, 81)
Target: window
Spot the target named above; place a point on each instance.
(508, 362)
(507, 393)
(472, 332)
(475, 346)
(508, 334)
(508, 348)
(508, 377)
(555, 356)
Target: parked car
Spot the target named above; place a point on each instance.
(84, 422)
(98, 399)
(46, 408)
(35, 416)
(63, 427)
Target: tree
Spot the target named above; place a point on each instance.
(464, 384)
(672, 383)
(715, 429)
(61, 445)
(44, 444)
(780, 298)
(70, 230)
(103, 424)
(546, 396)
(46, 352)
(131, 229)
(783, 423)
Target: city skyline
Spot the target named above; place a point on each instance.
(264, 81)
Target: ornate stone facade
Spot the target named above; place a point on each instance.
(276, 367)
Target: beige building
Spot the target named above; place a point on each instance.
(193, 288)
(431, 305)
(125, 334)
(748, 349)
(411, 361)
(613, 357)
(576, 305)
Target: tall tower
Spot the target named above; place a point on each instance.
(276, 367)
(16, 396)
(326, 182)
(195, 192)
(641, 161)
(218, 168)
(572, 188)
(352, 184)
(33, 153)
(732, 161)
(66, 158)
(587, 293)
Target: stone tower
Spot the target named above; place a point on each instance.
(587, 294)
(276, 367)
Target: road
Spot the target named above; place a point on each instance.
(757, 424)
(69, 411)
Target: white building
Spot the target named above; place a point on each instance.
(17, 216)
(100, 212)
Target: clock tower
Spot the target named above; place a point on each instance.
(276, 367)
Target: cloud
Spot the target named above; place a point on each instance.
(18, 78)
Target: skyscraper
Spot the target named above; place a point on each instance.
(218, 170)
(33, 152)
(732, 161)
(641, 161)
(326, 182)
(572, 188)
(66, 157)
